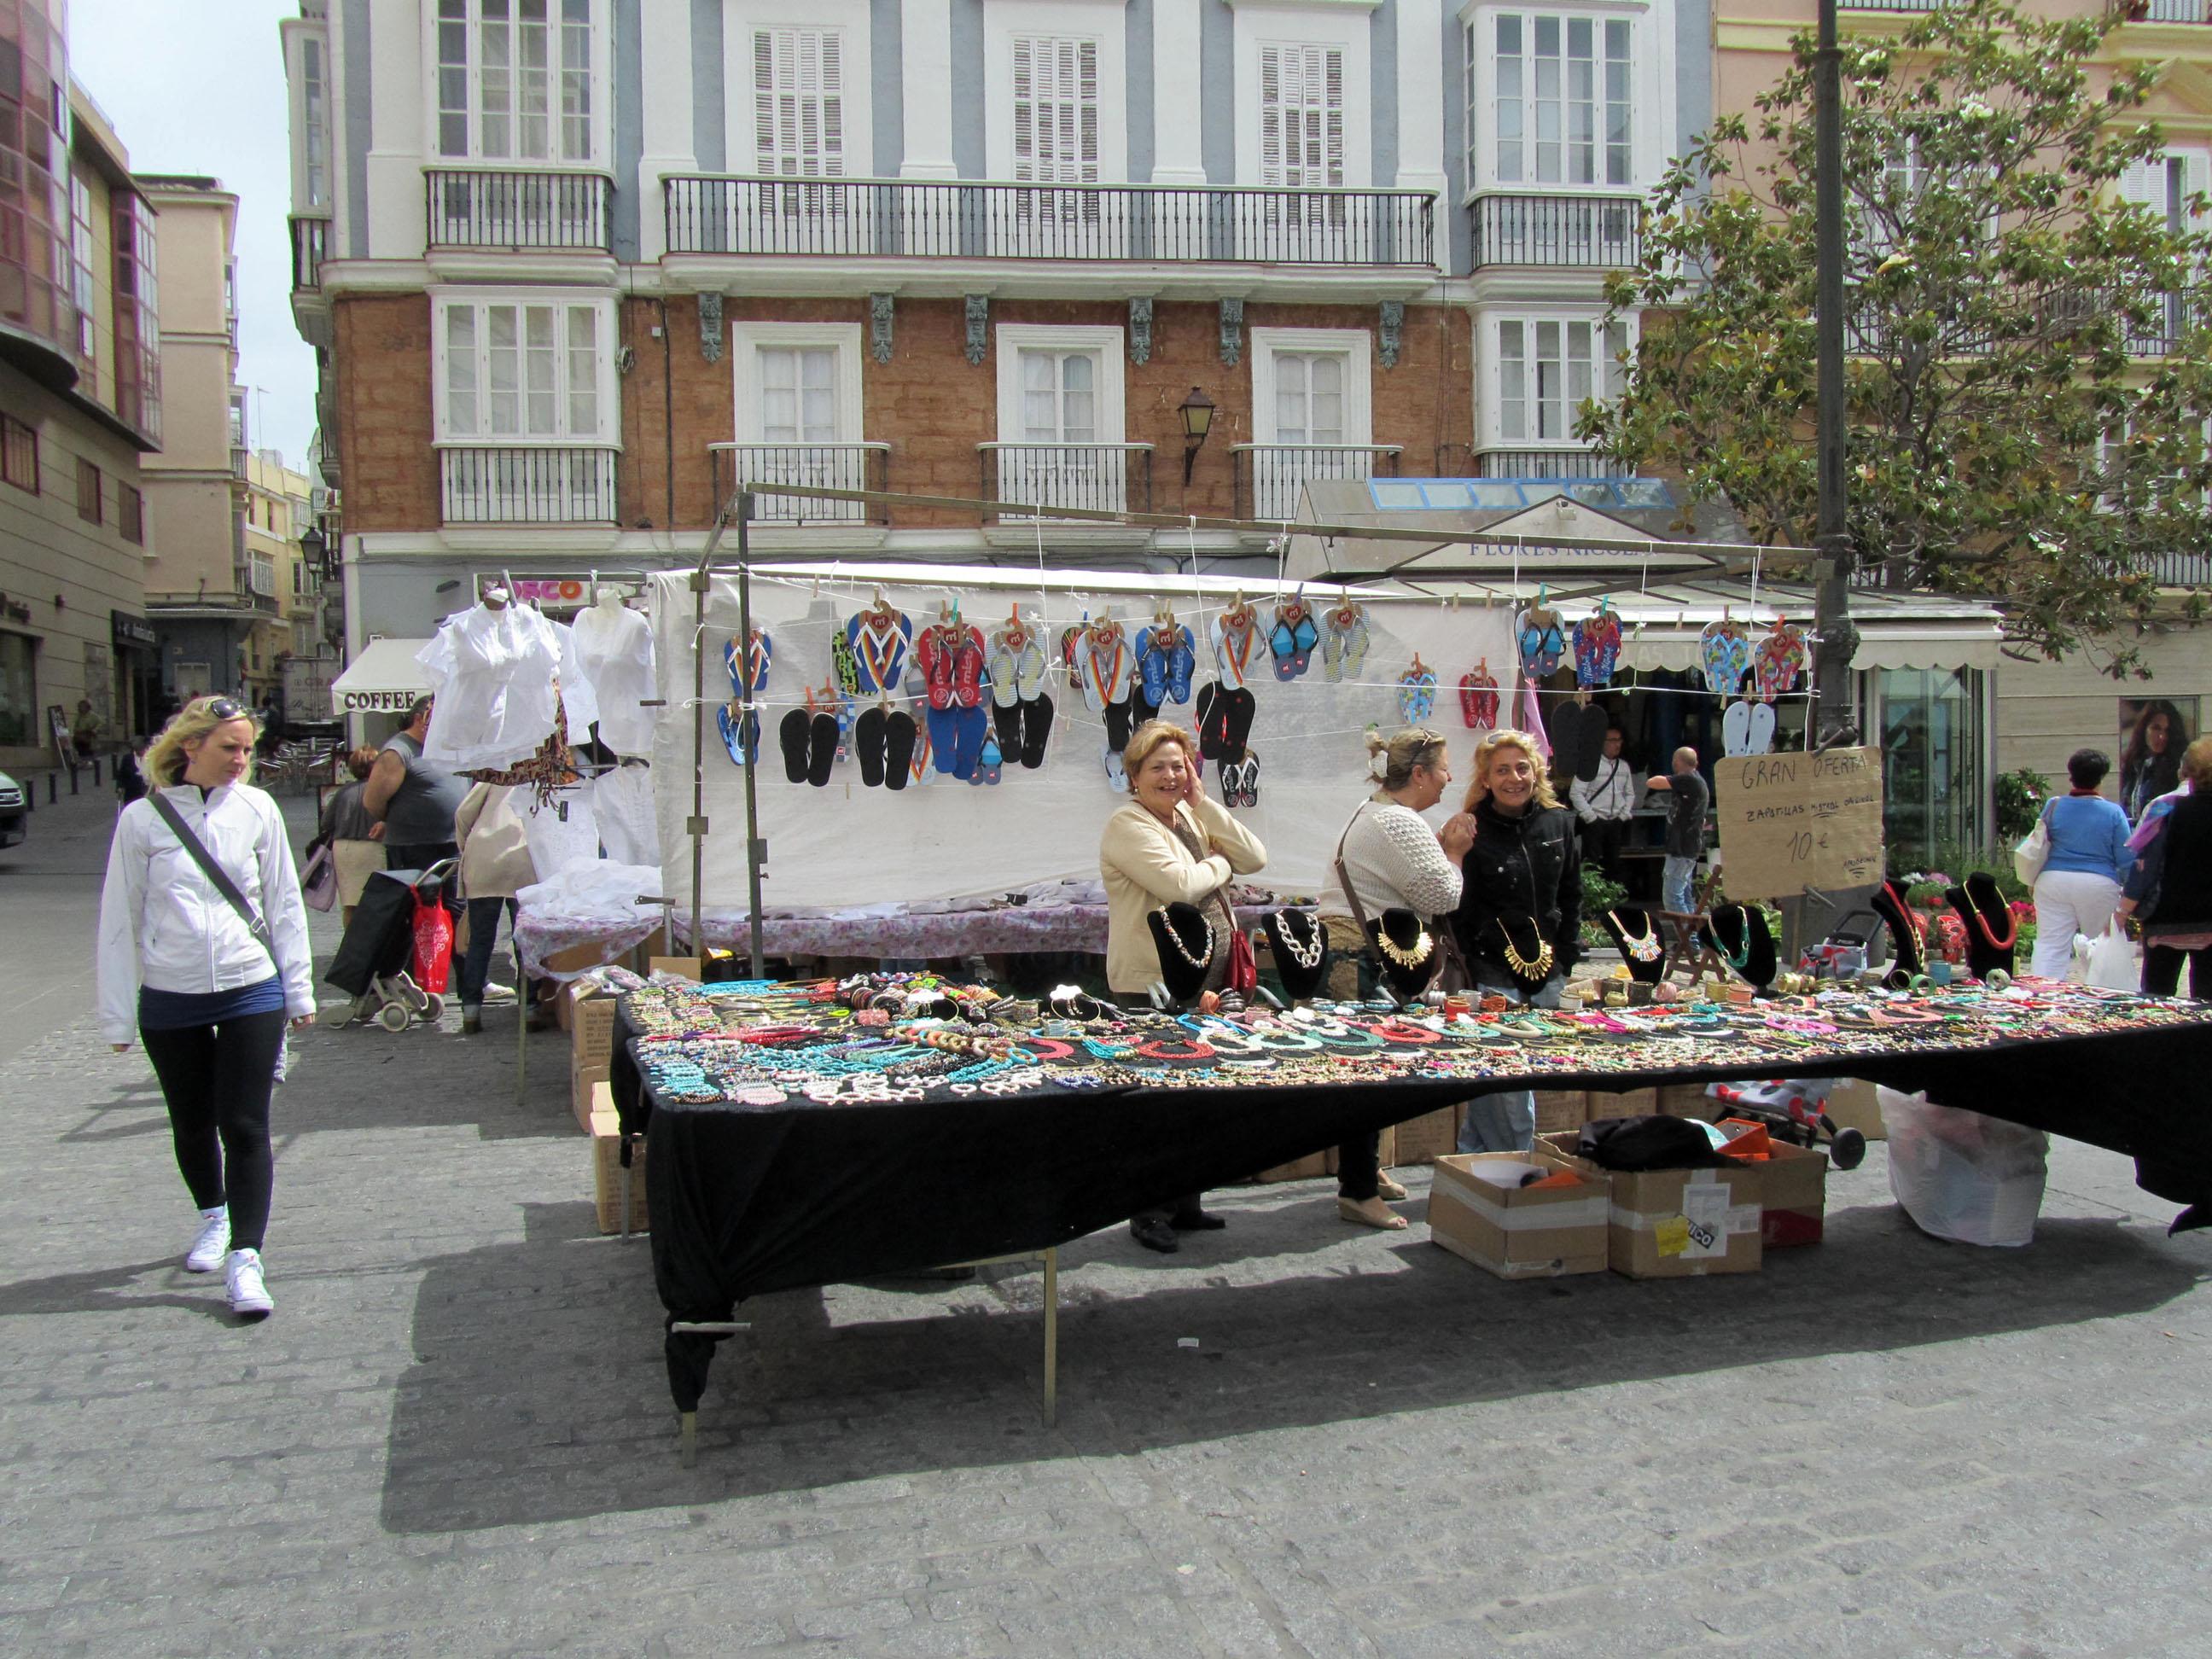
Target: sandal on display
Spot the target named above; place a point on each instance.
(1117, 775)
(1152, 666)
(988, 763)
(795, 736)
(898, 749)
(1182, 663)
(1735, 729)
(1036, 728)
(868, 746)
(1761, 739)
(740, 733)
(822, 732)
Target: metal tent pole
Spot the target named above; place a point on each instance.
(756, 848)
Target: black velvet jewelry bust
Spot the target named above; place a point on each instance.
(1991, 927)
(1908, 958)
(1636, 933)
(1300, 944)
(1185, 941)
(1407, 948)
(1739, 933)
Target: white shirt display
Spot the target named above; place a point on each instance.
(614, 649)
(492, 672)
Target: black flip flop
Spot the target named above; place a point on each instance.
(795, 736)
(1036, 727)
(824, 750)
(1212, 730)
(1238, 708)
(898, 749)
(868, 746)
(1595, 723)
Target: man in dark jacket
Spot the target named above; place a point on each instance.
(1686, 798)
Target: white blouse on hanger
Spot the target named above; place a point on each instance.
(492, 672)
(614, 648)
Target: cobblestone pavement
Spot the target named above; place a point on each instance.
(454, 1436)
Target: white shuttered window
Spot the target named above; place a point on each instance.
(1301, 116)
(1055, 110)
(799, 102)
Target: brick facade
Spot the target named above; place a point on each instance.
(928, 402)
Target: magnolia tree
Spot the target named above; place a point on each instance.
(2028, 390)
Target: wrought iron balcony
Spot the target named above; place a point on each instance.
(1270, 478)
(517, 210)
(1095, 477)
(1581, 233)
(1886, 5)
(2181, 569)
(871, 217)
(572, 485)
(2171, 11)
(818, 466)
(310, 246)
(1544, 463)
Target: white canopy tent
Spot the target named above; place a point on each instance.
(382, 680)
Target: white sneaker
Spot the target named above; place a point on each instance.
(498, 993)
(249, 1297)
(214, 1242)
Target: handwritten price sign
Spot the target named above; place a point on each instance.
(1790, 822)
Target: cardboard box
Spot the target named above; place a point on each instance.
(1852, 1104)
(1424, 1139)
(1685, 1224)
(1688, 1100)
(576, 959)
(1519, 1232)
(607, 1176)
(1793, 1197)
(590, 1024)
(1311, 1167)
(589, 1092)
(1559, 1109)
(682, 967)
(1628, 1102)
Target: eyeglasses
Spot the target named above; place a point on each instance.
(226, 709)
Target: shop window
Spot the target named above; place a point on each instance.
(130, 514)
(1934, 779)
(19, 692)
(88, 492)
(19, 453)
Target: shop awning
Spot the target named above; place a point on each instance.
(383, 680)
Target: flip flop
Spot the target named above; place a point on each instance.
(1117, 775)
(730, 666)
(1005, 673)
(1306, 636)
(868, 746)
(968, 671)
(844, 666)
(1248, 792)
(734, 737)
(1232, 781)
(1735, 729)
(1028, 669)
(988, 763)
(1565, 730)
(795, 735)
(1595, 723)
(1182, 663)
(824, 751)
(1761, 732)
(1242, 706)
(1213, 723)
(899, 734)
(1036, 727)
(1151, 670)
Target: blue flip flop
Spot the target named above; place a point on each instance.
(1182, 663)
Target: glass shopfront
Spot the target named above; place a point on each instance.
(19, 692)
(1933, 727)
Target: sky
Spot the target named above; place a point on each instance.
(197, 86)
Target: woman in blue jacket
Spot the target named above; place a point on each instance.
(2080, 886)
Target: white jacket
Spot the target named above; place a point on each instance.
(163, 923)
(1612, 795)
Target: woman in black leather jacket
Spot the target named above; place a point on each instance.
(1520, 914)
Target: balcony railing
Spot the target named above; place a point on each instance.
(517, 209)
(862, 217)
(1095, 477)
(310, 247)
(1886, 5)
(2181, 569)
(527, 486)
(1271, 478)
(1544, 463)
(1587, 233)
(818, 466)
(2171, 11)
(255, 589)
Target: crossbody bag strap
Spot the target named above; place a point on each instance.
(213, 871)
(1351, 897)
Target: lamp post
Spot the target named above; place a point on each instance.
(1197, 413)
(315, 548)
(1836, 642)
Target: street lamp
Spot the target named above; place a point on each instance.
(1197, 412)
(315, 548)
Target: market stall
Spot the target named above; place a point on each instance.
(782, 1153)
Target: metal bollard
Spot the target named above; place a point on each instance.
(95, 771)
(53, 784)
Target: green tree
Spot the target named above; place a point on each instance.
(2028, 388)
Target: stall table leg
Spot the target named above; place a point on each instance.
(687, 1423)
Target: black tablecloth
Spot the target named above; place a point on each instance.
(747, 1199)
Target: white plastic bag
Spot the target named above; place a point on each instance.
(1960, 1175)
(2113, 964)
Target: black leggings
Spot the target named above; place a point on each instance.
(217, 1079)
(2162, 971)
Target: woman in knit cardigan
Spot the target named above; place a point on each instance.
(1168, 844)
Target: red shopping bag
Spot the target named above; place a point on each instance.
(433, 944)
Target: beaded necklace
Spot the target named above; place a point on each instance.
(1168, 926)
(1643, 946)
(1982, 922)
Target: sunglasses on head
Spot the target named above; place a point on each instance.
(226, 709)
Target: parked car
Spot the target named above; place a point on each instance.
(14, 811)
